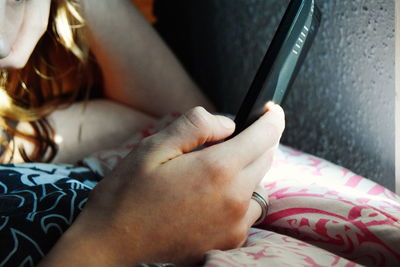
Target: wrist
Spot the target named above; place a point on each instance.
(90, 243)
(78, 247)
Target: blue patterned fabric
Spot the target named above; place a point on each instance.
(38, 202)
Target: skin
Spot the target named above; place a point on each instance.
(130, 86)
(187, 201)
(22, 23)
(141, 69)
(165, 203)
(120, 120)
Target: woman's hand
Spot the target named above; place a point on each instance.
(24, 23)
(168, 203)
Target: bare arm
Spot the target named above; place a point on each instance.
(139, 69)
(104, 125)
(164, 203)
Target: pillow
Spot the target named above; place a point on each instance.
(332, 208)
(266, 248)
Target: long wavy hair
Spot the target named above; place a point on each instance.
(59, 71)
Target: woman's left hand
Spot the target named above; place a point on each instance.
(25, 23)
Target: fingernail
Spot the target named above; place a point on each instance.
(226, 122)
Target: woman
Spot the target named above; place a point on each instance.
(130, 79)
(165, 201)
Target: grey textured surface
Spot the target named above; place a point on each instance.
(341, 106)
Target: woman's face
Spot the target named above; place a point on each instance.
(22, 24)
(11, 17)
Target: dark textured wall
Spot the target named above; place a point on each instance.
(341, 106)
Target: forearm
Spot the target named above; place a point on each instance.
(139, 69)
(103, 234)
(76, 248)
(86, 243)
(103, 125)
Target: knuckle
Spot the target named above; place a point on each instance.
(236, 206)
(198, 117)
(149, 144)
(218, 171)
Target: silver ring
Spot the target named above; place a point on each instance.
(263, 204)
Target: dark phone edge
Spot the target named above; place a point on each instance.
(266, 65)
(317, 19)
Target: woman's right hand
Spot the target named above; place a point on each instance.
(168, 203)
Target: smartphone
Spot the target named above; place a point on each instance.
(281, 62)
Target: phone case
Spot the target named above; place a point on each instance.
(281, 62)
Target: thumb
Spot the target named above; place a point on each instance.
(193, 129)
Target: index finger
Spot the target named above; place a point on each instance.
(252, 143)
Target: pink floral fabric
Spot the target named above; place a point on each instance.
(320, 214)
(266, 248)
(321, 205)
